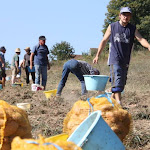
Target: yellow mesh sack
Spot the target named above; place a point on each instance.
(13, 122)
(78, 113)
(118, 119)
(3, 120)
(41, 144)
(80, 108)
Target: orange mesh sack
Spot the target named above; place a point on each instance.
(13, 122)
(78, 113)
(42, 144)
(118, 119)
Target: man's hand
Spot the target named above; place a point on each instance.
(31, 67)
(48, 67)
(95, 60)
(149, 48)
(3, 64)
(18, 70)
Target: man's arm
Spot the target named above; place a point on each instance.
(16, 64)
(143, 41)
(102, 43)
(24, 61)
(23, 65)
(48, 63)
(31, 60)
(1, 60)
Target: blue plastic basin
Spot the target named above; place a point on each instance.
(94, 134)
(31, 70)
(8, 78)
(95, 82)
(1, 87)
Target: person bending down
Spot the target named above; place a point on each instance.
(78, 68)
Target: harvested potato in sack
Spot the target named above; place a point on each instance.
(42, 144)
(118, 119)
(13, 122)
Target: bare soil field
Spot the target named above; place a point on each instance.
(46, 116)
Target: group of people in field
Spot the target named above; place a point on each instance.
(121, 35)
(35, 62)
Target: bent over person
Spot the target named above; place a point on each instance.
(78, 68)
(121, 35)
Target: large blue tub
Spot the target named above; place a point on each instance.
(94, 134)
(95, 82)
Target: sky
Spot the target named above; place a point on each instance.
(79, 22)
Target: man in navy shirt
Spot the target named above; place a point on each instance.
(121, 36)
(40, 53)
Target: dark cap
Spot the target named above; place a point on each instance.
(2, 48)
(42, 38)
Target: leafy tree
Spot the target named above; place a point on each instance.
(140, 15)
(7, 65)
(62, 51)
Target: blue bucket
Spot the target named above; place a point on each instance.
(8, 78)
(94, 133)
(95, 82)
(31, 70)
(1, 86)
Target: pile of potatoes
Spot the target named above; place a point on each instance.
(117, 118)
(13, 122)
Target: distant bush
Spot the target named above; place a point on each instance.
(62, 51)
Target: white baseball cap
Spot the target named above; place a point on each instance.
(125, 9)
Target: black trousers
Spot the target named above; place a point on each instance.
(27, 76)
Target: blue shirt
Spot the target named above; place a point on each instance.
(121, 42)
(40, 55)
